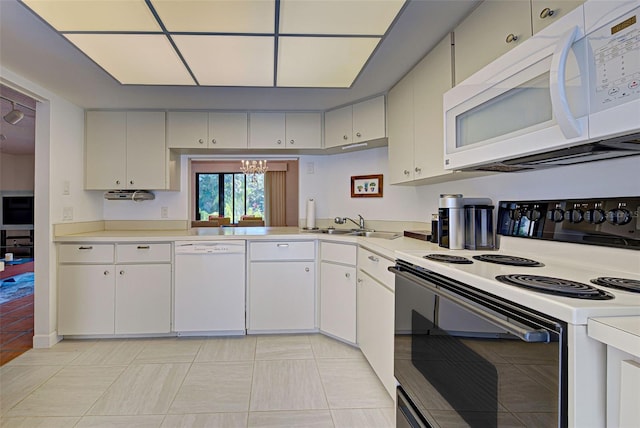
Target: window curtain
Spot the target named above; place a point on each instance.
(275, 198)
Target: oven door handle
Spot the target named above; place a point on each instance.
(523, 333)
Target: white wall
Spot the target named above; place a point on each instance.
(16, 172)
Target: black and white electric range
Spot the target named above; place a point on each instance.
(499, 338)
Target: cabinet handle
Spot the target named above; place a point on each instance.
(143, 247)
(201, 141)
(214, 141)
(511, 38)
(358, 134)
(418, 170)
(86, 248)
(347, 275)
(106, 272)
(359, 280)
(406, 172)
(344, 137)
(279, 141)
(121, 272)
(373, 259)
(546, 12)
(306, 269)
(291, 142)
(117, 181)
(282, 245)
(131, 182)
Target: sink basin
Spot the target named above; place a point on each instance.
(374, 234)
(332, 231)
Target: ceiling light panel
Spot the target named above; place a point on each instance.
(332, 62)
(221, 16)
(95, 15)
(347, 17)
(144, 59)
(228, 60)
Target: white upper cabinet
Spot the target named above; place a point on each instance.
(364, 121)
(285, 130)
(545, 12)
(416, 134)
(125, 150)
(492, 29)
(206, 130)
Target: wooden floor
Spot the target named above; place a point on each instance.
(16, 319)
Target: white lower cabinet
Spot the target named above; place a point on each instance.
(86, 299)
(338, 290)
(376, 311)
(281, 286)
(97, 296)
(143, 299)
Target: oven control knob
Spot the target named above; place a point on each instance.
(595, 216)
(556, 215)
(574, 215)
(533, 214)
(619, 216)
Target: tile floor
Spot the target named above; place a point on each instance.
(251, 381)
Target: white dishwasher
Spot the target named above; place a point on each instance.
(209, 287)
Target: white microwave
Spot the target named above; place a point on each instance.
(555, 98)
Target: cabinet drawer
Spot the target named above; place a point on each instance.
(86, 253)
(376, 266)
(338, 253)
(133, 253)
(283, 250)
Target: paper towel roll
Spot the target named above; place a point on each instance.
(311, 214)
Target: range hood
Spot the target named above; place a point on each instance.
(129, 195)
(590, 152)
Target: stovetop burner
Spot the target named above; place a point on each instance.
(557, 286)
(447, 258)
(503, 259)
(624, 284)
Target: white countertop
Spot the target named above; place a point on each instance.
(620, 332)
(384, 247)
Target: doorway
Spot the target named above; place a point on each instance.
(17, 179)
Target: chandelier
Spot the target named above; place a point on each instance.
(253, 167)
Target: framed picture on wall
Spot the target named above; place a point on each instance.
(366, 186)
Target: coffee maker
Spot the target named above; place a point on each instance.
(465, 222)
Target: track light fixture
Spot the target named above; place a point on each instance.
(14, 116)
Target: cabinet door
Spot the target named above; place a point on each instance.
(540, 11)
(369, 120)
(375, 328)
(432, 78)
(143, 299)
(187, 129)
(146, 150)
(338, 301)
(106, 140)
(86, 298)
(303, 130)
(338, 127)
(282, 296)
(267, 130)
(228, 130)
(483, 35)
(401, 131)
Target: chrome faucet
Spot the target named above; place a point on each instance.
(343, 220)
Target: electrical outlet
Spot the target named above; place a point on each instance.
(67, 214)
(164, 212)
(66, 187)
(310, 168)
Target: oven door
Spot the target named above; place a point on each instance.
(533, 99)
(511, 375)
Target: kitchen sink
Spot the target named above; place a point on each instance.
(356, 232)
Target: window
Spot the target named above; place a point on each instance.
(229, 194)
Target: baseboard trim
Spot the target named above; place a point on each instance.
(46, 340)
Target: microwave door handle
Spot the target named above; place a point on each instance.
(559, 103)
